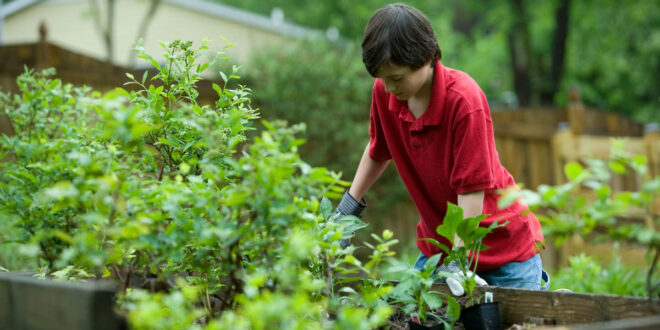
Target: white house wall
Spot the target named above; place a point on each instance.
(70, 25)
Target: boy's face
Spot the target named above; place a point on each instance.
(404, 82)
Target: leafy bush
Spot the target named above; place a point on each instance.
(151, 189)
(588, 206)
(586, 274)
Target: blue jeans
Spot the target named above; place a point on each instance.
(524, 275)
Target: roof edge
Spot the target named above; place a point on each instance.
(215, 9)
(246, 17)
(16, 6)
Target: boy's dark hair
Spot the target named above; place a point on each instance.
(399, 34)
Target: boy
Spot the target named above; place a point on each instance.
(434, 123)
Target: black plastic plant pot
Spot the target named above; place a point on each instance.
(481, 317)
(432, 324)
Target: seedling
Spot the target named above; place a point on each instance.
(472, 235)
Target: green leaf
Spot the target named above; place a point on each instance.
(325, 209)
(507, 199)
(453, 217)
(603, 192)
(443, 247)
(217, 88)
(617, 167)
(165, 141)
(432, 300)
(351, 224)
(573, 170)
(432, 263)
(453, 309)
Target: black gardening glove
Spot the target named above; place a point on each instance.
(348, 206)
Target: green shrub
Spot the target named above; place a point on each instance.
(588, 275)
(149, 185)
(587, 205)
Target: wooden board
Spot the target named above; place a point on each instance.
(638, 323)
(28, 303)
(518, 306)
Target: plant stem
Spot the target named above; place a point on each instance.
(650, 288)
(208, 299)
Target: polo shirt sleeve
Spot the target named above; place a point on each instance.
(378, 149)
(472, 169)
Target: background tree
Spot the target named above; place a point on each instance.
(526, 52)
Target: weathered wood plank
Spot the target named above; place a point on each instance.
(639, 323)
(531, 131)
(30, 303)
(518, 306)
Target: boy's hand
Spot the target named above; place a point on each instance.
(455, 285)
(349, 206)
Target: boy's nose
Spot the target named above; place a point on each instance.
(389, 88)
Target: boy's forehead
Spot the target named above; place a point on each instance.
(390, 69)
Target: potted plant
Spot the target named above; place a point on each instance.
(477, 314)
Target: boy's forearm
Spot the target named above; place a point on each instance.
(472, 204)
(367, 173)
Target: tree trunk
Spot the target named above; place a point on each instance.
(106, 29)
(521, 55)
(556, 73)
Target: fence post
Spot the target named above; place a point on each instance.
(652, 146)
(43, 56)
(562, 150)
(575, 111)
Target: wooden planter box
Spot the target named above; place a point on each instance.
(569, 310)
(28, 303)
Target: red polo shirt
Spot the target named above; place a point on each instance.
(450, 150)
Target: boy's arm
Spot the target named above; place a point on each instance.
(367, 173)
(472, 204)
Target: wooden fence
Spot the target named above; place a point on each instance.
(536, 144)
(524, 139)
(74, 68)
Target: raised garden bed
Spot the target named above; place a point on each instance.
(31, 303)
(575, 310)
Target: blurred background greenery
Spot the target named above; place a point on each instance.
(523, 53)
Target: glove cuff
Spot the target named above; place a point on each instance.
(454, 266)
(349, 206)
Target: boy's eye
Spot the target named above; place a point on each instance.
(397, 79)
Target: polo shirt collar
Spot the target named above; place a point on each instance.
(433, 114)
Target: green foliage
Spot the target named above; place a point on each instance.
(148, 184)
(414, 293)
(328, 89)
(585, 274)
(174, 310)
(615, 72)
(588, 206)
